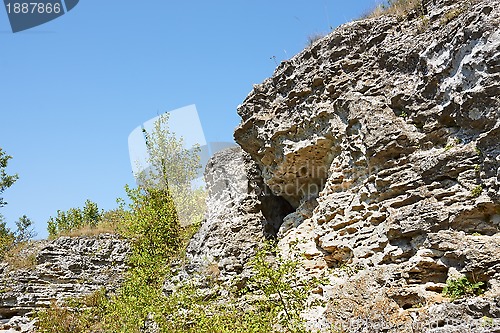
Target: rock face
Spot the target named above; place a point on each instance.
(385, 138)
(240, 214)
(62, 268)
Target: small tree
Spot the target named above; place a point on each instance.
(172, 167)
(6, 180)
(75, 218)
(7, 237)
(24, 230)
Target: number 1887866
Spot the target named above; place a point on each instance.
(33, 8)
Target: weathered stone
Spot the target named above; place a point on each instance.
(392, 127)
(240, 214)
(63, 268)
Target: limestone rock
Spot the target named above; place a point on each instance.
(239, 215)
(62, 268)
(391, 126)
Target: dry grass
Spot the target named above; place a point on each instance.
(311, 39)
(452, 14)
(398, 8)
(112, 223)
(101, 228)
(213, 270)
(21, 256)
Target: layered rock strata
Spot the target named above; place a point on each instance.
(57, 270)
(385, 138)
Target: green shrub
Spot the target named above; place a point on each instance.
(24, 231)
(285, 294)
(74, 219)
(6, 180)
(81, 315)
(154, 229)
(12, 242)
(271, 302)
(461, 287)
(7, 238)
(476, 191)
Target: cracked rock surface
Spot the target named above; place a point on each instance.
(62, 268)
(385, 138)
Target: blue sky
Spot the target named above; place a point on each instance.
(73, 89)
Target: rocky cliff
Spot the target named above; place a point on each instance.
(374, 154)
(384, 137)
(57, 270)
(239, 215)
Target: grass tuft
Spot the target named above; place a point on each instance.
(398, 8)
(21, 256)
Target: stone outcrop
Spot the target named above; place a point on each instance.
(60, 269)
(385, 138)
(374, 154)
(241, 213)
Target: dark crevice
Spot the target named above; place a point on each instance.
(274, 208)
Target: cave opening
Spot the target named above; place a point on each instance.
(275, 209)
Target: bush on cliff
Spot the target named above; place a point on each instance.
(75, 219)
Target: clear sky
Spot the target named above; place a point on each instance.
(73, 89)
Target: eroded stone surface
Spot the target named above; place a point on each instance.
(390, 129)
(63, 268)
(240, 214)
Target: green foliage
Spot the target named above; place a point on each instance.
(285, 294)
(154, 229)
(74, 218)
(153, 226)
(191, 309)
(6, 180)
(171, 164)
(272, 301)
(452, 144)
(24, 231)
(7, 238)
(12, 241)
(172, 168)
(476, 191)
(351, 270)
(487, 322)
(461, 287)
(78, 316)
